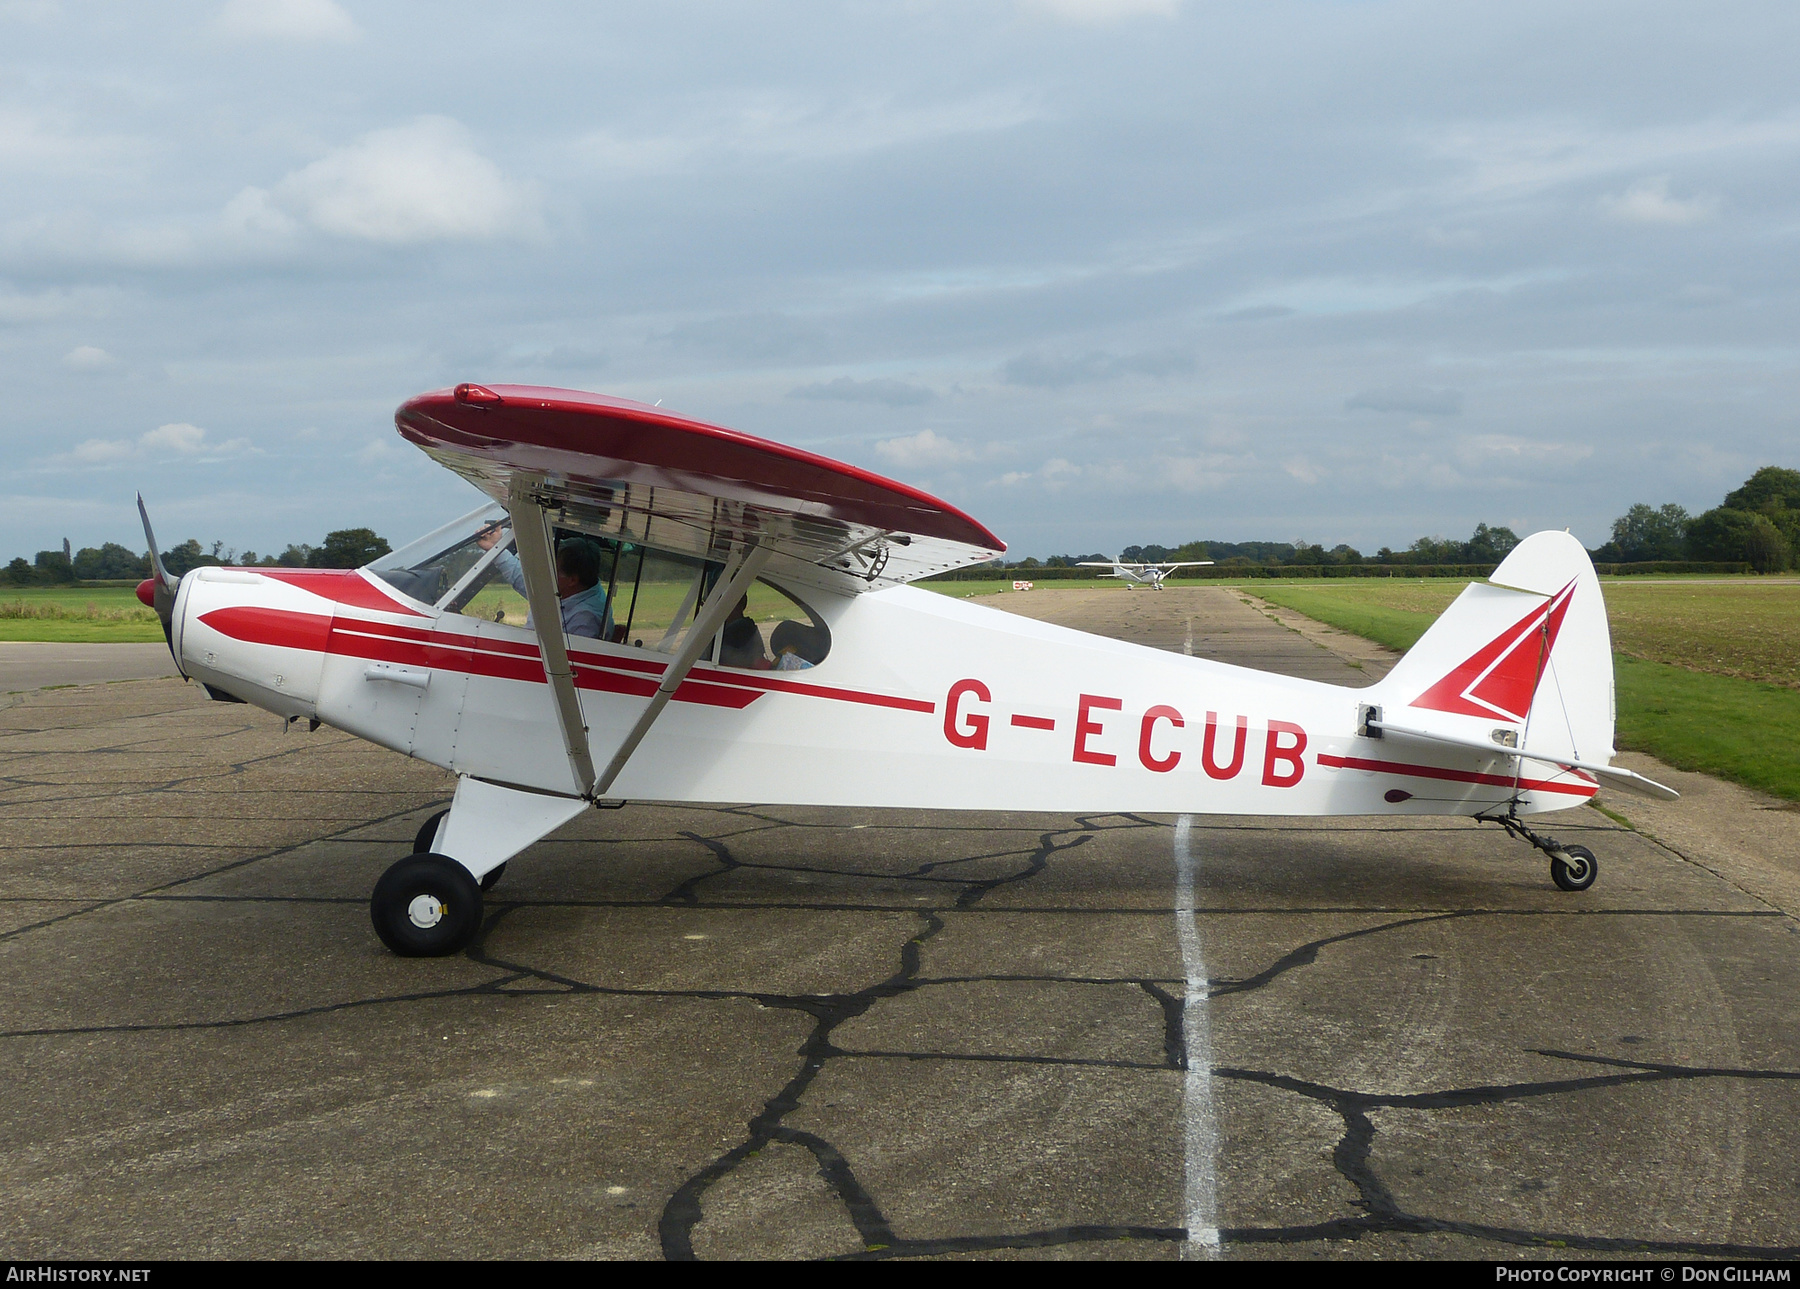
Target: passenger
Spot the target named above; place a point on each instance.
(792, 641)
(741, 642)
(585, 611)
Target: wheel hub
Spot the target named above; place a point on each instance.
(426, 911)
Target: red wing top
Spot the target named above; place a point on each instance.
(651, 476)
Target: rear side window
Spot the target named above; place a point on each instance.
(772, 631)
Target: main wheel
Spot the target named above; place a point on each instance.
(1574, 868)
(428, 831)
(491, 878)
(426, 906)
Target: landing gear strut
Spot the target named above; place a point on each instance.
(1573, 868)
(427, 836)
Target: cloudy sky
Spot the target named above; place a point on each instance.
(1099, 271)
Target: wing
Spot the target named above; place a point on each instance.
(617, 468)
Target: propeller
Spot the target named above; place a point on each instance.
(158, 590)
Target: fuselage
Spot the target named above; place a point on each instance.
(923, 701)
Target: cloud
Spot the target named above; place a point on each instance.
(1648, 202)
(177, 440)
(300, 21)
(1484, 454)
(753, 337)
(48, 306)
(88, 358)
(1416, 400)
(1095, 12)
(1054, 475)
(788, 127)
(254, 216)
(1302, 468)
(179, 437)
(419, 182)
(1257, 313)
(923, 450)
(894, 393)
(1702, 297)
(1055, 372)
(1135, 477)
(1524, 155)
(46, 144)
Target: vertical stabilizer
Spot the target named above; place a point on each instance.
(1528, 652)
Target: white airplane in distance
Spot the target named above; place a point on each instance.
(1135, 575)
(655, 552)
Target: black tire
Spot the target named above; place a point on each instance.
(427, 833)
(1577, 872)
(426, 906)
(491, 878)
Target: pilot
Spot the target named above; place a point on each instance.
(584, 608)
(742, 644)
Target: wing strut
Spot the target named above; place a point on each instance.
(724, 597)
(531, 529)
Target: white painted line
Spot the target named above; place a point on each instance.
(1199, 1119)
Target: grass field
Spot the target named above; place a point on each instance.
(108, 614)
(964, 590)
(76, 615)
(1707, 671)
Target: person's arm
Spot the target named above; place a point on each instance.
(506, 564)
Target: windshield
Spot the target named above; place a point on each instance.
(447, 567)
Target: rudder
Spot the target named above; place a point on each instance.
(1527, 650)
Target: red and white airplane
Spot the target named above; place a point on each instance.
(864, 691)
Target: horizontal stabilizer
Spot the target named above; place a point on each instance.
(1614, 775)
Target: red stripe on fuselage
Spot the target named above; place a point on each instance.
(513, 660)
(1579, 788)
(279, 627)
(343, 586)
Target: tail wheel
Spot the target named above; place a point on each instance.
(1574, 868)
(428, 831)
(426, 906)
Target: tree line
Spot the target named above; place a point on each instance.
(1757, 524)
(345, 548)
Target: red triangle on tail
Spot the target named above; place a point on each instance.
(1501, 678)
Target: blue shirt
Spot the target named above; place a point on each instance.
(583, 614)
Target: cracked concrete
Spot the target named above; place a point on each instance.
(749, 1032)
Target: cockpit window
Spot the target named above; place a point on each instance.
(772, 632)
(659, 594)
(643, 597)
